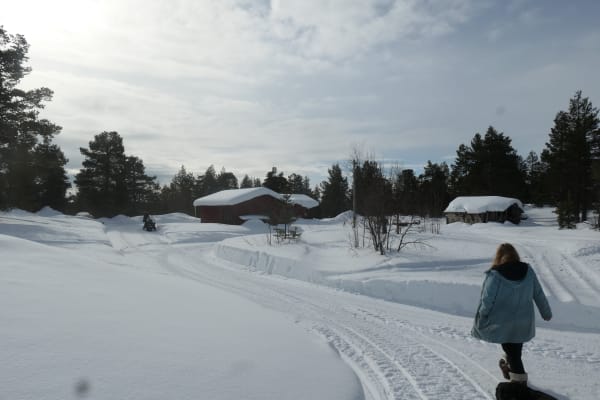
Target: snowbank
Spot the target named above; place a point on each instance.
(446, 276)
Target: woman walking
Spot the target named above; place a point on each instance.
(505, 314)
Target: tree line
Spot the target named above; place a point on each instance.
(566, 174)
(32, 168)
(112, 182)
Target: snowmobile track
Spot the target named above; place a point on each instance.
(589, 282)
(390, 359)
(579, 283)
(545, 269)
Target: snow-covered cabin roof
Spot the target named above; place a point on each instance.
(481, 204)
(304, 201)
(231, 197)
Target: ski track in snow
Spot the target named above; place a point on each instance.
(562, 275)
(553, 285)
(398, 352)
(589, 282)
(395, 360)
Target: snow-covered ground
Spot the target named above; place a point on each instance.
(100, 309)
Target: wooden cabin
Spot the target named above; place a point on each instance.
(481, 209)
(235, 206)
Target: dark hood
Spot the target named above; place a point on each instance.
(513, 271)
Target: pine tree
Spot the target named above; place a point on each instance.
(101, 180)
(51, 181)
(111, 182)
(23, 135)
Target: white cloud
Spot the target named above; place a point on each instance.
(341, 29)
(248, 84)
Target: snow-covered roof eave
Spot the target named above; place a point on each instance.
(250, 217)
(304, 201)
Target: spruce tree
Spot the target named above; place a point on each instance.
(299, 184)
(334, 193)
(433, 189)
(276, 181)
(375, 202)
(283, 215)
(181, 192)
(295, 183)
(373, 190)
(207, 183)
(141, 190)
(316, 193)
(306, 187)
(574, 143)
(246, 182)
(566, 212)
(226, 180)
(405, 193)
(536, 180)
(489, 166)
(596, 193)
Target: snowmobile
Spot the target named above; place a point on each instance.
(149, 224)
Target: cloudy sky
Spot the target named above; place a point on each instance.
(298, 84)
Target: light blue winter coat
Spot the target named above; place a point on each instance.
(505, 313)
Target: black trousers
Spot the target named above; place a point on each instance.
(513, 356)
